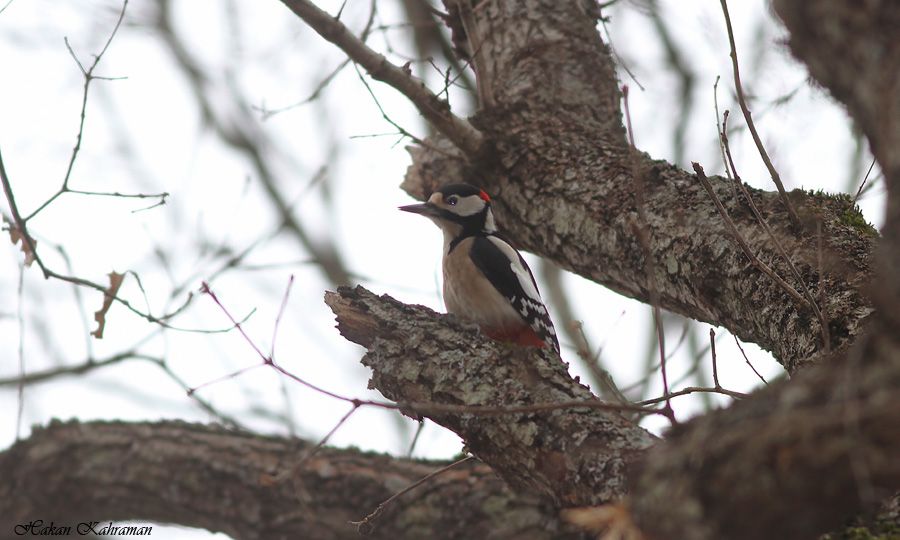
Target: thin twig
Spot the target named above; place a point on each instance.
(430, 105)
(365, 526)
(20, 319)
(27, 240)
(763, 379)
(88, 78)
(324, 440)
(795, 221)
(761, 266)
(84, 367)
(715, 363)
(693, 390)
(418, 407)
(415, 439)
(323, 84)
(720, 128)
(284, 299)
(823, 323)
(863, 184)
(643, 234)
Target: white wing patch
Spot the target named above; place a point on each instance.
(521, 272)
(531, 307)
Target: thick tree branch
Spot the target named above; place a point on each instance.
(820, 445)
(574, 456)
(852, 49)
(562, 161)
(434, 109)
(245, 486)
(798, 459)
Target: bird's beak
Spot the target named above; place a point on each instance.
(425, 209)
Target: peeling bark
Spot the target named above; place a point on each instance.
(225, 481)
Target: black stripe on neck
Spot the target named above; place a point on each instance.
(463, 235)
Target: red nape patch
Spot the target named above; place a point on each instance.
(484, 196)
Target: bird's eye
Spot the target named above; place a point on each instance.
(452, 200)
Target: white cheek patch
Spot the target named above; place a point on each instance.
(469, 206)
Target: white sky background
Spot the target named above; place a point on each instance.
(144, 134)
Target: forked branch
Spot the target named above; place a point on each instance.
(433, 108)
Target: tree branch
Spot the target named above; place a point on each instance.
(561, 160)
(244, 485)
(573, 456)
(434, 109)
(820, 444)
(799, 458)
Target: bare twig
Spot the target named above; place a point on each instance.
(20, 319)
(323, 84)
(574, 329)
(619, 60)
(823, 323)
(89, 77)
(324, 440)
(795, 221)
(86, 366)
(415, 407)
(415, 439)
(720, 128)
(761, 266)
(431, 106)
(484, 81)
(715, 363)
(284, 299)
(400, 129)
(693, 390)
(715, 389)
(862, 185)
(643, 234)
(366, 526)
(763, 379)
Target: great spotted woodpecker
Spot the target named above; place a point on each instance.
(486, 281)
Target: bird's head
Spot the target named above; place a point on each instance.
(457, 209)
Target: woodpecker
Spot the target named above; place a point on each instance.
(486, 281)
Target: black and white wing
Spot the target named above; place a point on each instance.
(507, 271)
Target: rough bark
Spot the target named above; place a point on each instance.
(792, 461)
(797, 460)
(839, 453)
(558, 157)
(575, 456)
(225, 481)
(852, 49)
